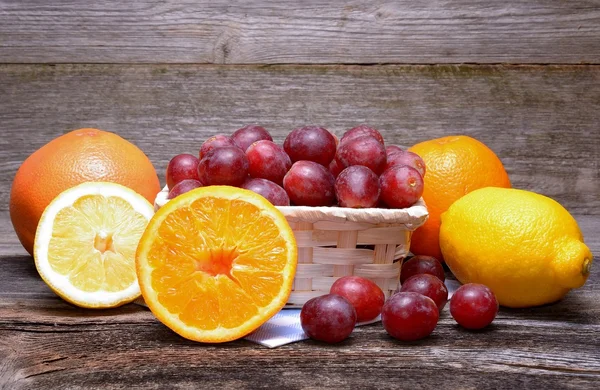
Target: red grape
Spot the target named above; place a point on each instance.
(427, 285)
(366, 297)
(268, 161)
(182, 167)
(308, 183)
(358, 187)
(271, 191)
(411, 159)
(380, 204)
(392, 149)
(310, 143)
(329, 318)
(335, 167)
(337, 140)
(401, 186)
(216, 141)
(182, 187)
(422, 264)
(409, 316)
(224, 166)
(365, 150)
(360, 131)
(249, 134)
(473, 306)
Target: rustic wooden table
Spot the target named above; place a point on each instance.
(521, 76)
(46, 343)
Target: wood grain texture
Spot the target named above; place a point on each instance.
(542, 121)
(316, 31)
(138, 352)
(46, 343)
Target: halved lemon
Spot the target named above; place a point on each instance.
(216, 263)
(85, 244)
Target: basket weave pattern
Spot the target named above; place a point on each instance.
(334, 242)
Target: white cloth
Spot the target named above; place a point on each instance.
(283, 328)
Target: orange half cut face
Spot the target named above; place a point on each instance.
(216, 263)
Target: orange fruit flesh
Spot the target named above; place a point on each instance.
(218, 267)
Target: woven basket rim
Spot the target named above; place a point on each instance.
(412, 217)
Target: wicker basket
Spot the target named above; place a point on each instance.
(335, 242)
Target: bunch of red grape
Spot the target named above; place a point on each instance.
(411, 313)
(312, 168)
(473, 306)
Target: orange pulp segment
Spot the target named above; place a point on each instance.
(216, 263)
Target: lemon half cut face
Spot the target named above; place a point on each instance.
(86, 241)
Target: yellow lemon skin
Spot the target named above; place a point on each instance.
(524, 246)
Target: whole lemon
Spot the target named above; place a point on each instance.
(524, 246)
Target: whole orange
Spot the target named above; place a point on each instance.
(73, 158)
(456, 165)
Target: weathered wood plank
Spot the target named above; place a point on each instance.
(506, 356)
(9, 243)
(258, 31)
(58, 344)
(46, 343)
(541, 120)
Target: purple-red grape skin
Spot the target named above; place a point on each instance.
(335, 167)
(393, 149)
(473, 306)
(422, 264)
(182, 187)
(409, 316)
(401, 186)
(337, 140)
(365, 150)
(427, 285)
(249, 134)
(224, 166)
(269, 190)
(308, 183)
(357, 187)
(330, 318)
(216, 141)
(268, 161)
(411, 159)
(360, 131)
(181, 167)
(361, 151)
(310, 143)
(366, 296)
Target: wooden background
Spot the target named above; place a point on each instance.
(523, 76)
(520, 75)
(543, 121)
(292, 32)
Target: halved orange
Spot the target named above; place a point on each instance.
(216, 263)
